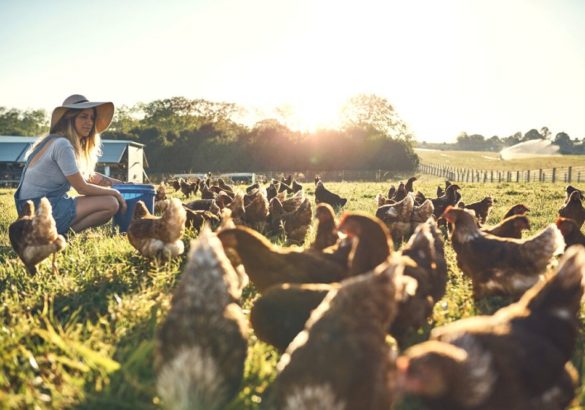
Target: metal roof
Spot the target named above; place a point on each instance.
(12, 149)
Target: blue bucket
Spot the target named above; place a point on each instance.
(133, 193)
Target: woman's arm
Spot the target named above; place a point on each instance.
(89, 189)
(100, 179)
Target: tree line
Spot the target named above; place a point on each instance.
(197, 135)
(477, 142)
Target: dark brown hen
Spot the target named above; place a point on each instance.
(571, 232)
(574, 209)
(322, 194)
(202, 343)
(340, 360)
(267, 264)
(501, 265)
(34, 235)
(510, 227)
(516, 359)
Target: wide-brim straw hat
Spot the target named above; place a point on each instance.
(104, 111)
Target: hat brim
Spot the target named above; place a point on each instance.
(104, 113)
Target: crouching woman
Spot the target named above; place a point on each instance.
(66, 158)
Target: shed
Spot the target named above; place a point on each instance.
(121, 159)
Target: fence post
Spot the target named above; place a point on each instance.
(554, 175)
(540, 175)
(569, 174)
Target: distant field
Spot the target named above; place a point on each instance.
(85, 337)
(491, 160)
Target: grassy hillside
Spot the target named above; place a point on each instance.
(84, 338)
(491, 160)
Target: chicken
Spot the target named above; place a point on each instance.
(421, 213)
(158, 237)
(202, 343)
(518, 209)
(196, 219)
(327, 234)
(204, 205)
(428, 267)
(371, 241)
(255, 209)
(281, 312)
(409, 184)
(298, 222)
(296, 187)
(573, 209)
(341, 360)
(272, 190)
(161, 192)
(569, 190)
(398, 217)
(482, 208)
(570, 231)
(381, 201)
(34, 235)
(176, 183)
(267, 264)
(510, 227)
(516, 359)
(186, 188)
(391, 191)
(501, 265)
(400, 193)
(238, 209)
(206, 193)
(450, 198)
(224, 187)
(324, 195)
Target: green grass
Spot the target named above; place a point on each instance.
(85, 338)
(491, 160)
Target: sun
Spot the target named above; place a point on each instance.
(310, 114)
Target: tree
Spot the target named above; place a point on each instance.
(533, 134)
(564, 142)
(369, 110)
(25, 123)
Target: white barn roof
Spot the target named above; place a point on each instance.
(13, 149)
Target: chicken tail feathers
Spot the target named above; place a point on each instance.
(561, 294)
(174, 218)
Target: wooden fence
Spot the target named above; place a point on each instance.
(560, 174)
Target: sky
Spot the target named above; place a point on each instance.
(491, 67)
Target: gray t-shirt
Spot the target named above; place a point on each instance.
(50, 170)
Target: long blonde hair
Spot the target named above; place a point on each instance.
(86, 152)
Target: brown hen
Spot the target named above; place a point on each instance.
(517, 359)
(158, 237)
(341, 360)
(571, 232)
(267, 264)
(202, 343)
(573, 209)
(510, 227)
(34, 235)
(501, 265)
(482, 208)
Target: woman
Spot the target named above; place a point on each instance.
(66, 158)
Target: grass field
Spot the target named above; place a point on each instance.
(491, 160)
(85, 338)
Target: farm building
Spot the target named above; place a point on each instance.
(124, 160)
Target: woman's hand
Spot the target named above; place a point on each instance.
(121, 201)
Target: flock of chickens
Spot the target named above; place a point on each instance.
(329, 307)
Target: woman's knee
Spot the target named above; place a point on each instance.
(112, 205)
